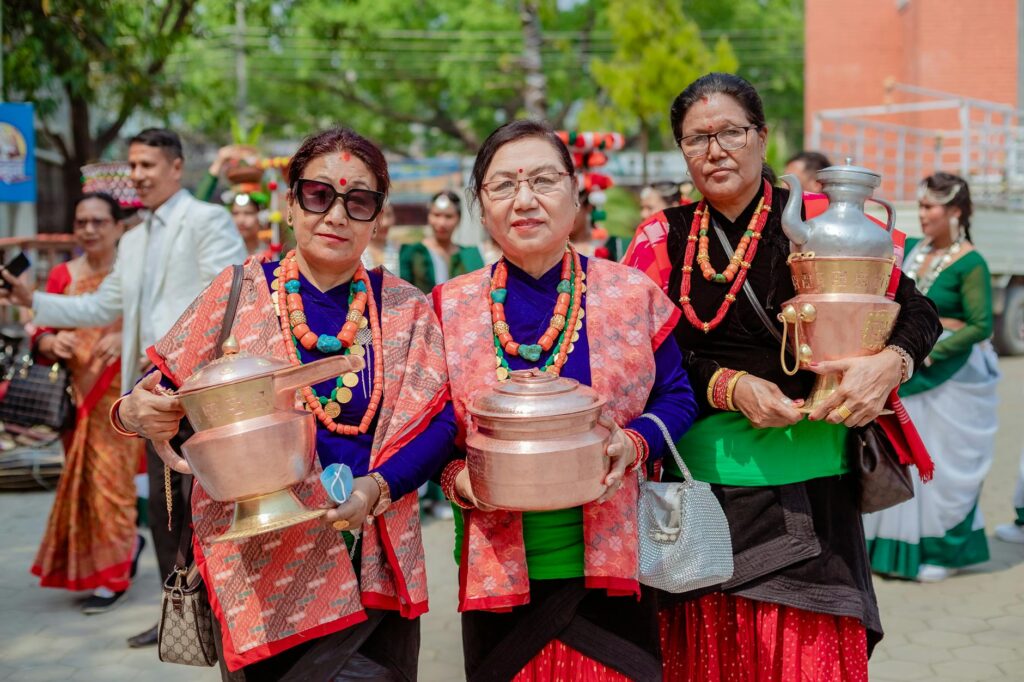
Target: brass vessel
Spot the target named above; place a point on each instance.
(251, 443)
(841, 264)
(536, 444)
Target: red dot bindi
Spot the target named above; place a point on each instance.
(520, 170)
(343, 182)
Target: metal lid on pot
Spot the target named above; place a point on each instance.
(848, 173)
(532, 393)
(231, 367)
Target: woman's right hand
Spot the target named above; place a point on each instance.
(60, 345)
(764, 404)
(17, 293)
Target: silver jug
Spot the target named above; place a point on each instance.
(844, 229)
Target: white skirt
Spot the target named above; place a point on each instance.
(943, 525)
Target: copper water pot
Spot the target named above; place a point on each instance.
(251, 443)
(535, 443)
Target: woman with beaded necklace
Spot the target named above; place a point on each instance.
(951, 398)
(320, 615)
(554, 595)
(800, 603)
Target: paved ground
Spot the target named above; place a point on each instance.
(970, 627)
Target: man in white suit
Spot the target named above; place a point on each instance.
(162, 266)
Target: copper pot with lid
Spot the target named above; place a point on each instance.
(536, 444)
(251, 443)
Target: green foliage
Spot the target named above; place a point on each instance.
(658, 50)
(623, 209)
(768, 38)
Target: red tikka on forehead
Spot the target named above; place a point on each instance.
(345, 156)
(343, 182)
(520, 171)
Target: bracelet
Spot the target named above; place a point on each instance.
(643, 450)
(448, 476)
(384, 500)
(115, 420)
(906, 362)
(719, 392)
(730, 389)
(712, 383)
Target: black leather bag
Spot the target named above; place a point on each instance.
(39, 395)
(884, 481)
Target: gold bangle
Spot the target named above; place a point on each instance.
(384, 498)
(115, 420)
(711, 385)
(730, 389)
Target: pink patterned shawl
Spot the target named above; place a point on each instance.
(627, 318)
(280, 589)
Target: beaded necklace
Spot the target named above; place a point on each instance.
(938, 264)
(736, 272)
(563, 329)
(295, 327)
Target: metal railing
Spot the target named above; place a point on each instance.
(979, 140)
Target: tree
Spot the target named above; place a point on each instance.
(657, 52)
(91, 64)
(768, 37)
(419, 77)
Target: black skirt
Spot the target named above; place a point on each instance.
(618, 632)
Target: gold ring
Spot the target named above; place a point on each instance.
(844, 412)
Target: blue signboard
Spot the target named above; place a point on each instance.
(17, 153)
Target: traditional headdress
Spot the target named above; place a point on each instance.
(113, 178)
(928, 195)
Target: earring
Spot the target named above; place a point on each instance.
(954, 228)
(289, 218)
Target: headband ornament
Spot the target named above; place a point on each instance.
(928, 195)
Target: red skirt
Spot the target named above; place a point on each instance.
(723, 638)
(558, 662)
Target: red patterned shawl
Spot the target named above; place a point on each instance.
(627, 318)
(280, 589)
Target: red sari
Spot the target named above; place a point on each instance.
(91, 531)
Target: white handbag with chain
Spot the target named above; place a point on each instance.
(684, 536)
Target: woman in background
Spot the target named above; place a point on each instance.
(437, 258)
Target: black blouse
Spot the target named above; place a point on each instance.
(742, 341)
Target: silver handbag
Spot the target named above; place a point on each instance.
(684, 536)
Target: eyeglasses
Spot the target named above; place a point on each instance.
(95, 222)
(729, 139)
(543, 183)
(318, 197)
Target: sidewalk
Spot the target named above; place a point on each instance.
(970, 627)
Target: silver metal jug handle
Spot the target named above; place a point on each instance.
(890, 221)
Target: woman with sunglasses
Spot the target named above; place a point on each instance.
(554, 595)
(438, 258)
(800, 603)
(321, 616)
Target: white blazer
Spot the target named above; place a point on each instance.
(199, 241)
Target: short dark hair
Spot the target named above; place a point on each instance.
(725, 84)
(115, 208)
(513, 131)
(941, 183)
(340, 139)
(167, 140)
(813, 161)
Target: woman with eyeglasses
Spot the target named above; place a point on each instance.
(800, 603)
(554, 595)
(438, 258)
(290, 604)
(91, 540)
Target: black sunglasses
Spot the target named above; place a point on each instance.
(318, 197)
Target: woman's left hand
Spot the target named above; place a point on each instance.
(108, 348)
(621, 452)
(351, 514)
(865, 386)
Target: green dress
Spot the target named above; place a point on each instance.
(417, 267)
